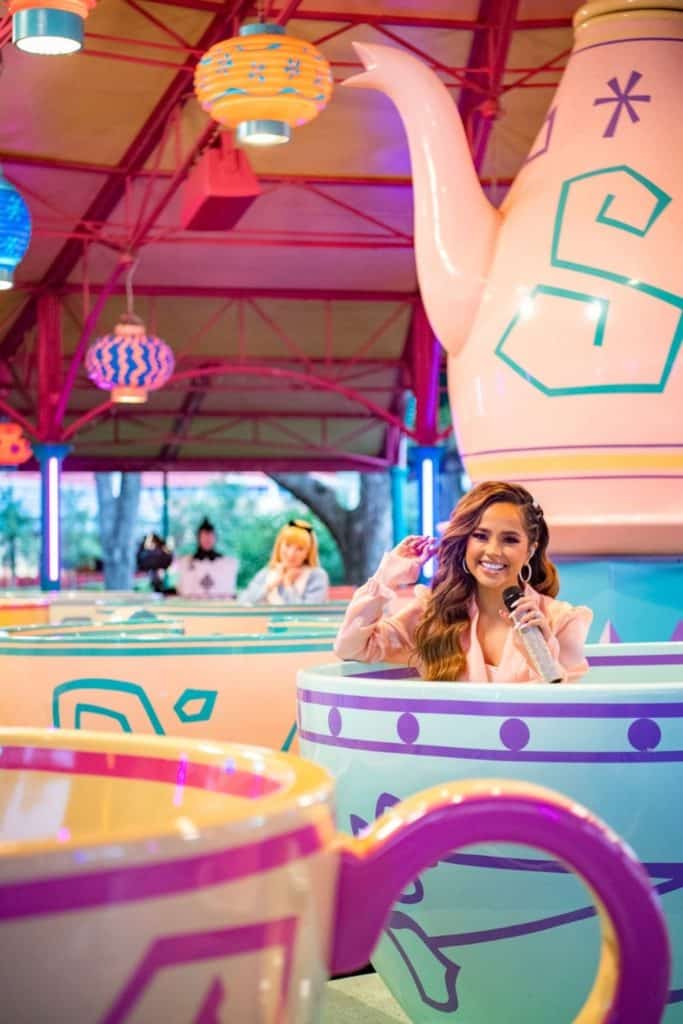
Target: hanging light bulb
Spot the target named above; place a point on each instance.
(262, 83)
(129, 362)
(49, 28)
(15, 231)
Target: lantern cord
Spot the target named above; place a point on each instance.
(129, 285)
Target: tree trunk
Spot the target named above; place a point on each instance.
(364, 533)
(117, 518)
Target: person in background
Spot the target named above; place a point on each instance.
(154, 557)
(459, 628)
(207, 572)
(293, 574)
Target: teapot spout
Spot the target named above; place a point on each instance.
(455, 224)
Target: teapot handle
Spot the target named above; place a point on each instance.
(414, 834)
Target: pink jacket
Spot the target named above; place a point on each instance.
(365, 635)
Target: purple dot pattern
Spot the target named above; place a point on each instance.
(334, 721)
(408, 727)
(644, 734)
(514, 734)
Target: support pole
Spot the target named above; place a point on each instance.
(427, 459)
(50, 457)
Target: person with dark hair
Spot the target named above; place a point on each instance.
(459, 628)
(293, 574)
(153, 557)
(207, 572)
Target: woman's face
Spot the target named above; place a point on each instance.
(292, 554)
(498, 547)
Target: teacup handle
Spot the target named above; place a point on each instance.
(632, 982)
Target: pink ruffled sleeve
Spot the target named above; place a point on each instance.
(569, 627)
(367, 632)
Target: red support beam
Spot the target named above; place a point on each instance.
(49, 360)
(264, 464)
(199, 292)
(488, 55)
(425, 355)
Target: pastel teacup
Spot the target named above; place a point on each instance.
(148, 880)
(499, 914)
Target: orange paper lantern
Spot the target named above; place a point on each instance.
(262, 83)
(14, 448)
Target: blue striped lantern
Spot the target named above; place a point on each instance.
(15, 231)
(129, 362)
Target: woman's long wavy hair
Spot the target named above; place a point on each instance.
(440, 632)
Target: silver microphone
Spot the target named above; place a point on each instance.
(534, 641)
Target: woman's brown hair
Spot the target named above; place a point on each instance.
(439, 634)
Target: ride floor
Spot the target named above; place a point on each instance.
(363, 999)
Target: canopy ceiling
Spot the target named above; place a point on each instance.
(297, 332)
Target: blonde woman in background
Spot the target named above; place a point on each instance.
(293, 574)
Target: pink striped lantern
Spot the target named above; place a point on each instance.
(129, 362)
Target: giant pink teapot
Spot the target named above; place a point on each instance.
(562, 310)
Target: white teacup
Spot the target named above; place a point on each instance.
(156, 880)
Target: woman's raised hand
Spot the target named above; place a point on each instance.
(417, 548)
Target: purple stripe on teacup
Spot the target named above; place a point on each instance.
(497, 709)
(58, 894)
(190, 947)
(597, 660)
(480, 754)
(391, 673)
(218, 778)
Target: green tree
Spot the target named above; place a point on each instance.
(80, 539)
(18, 532)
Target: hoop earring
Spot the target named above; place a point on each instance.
(465, 569)
(527, 578)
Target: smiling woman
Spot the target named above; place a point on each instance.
(496, 538)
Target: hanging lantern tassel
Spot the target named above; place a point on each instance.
(15, 231)
(49, 27)
(129, 362)
(263, 83)
(14, 448)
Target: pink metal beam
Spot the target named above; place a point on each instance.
(199, 292)
(83, 341)
(266, 464)
(305, 380)
(287, 12)
(426, 355)
(13, 414)
(49, 345)
(331, 180)
(489, 51)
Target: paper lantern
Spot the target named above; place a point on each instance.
(262, 83)
(14, 448)
(129, 362)
(15, 231)
(49, 28)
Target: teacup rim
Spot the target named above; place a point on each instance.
(303, 785)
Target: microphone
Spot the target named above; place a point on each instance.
(534, 641)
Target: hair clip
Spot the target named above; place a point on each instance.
(536, 507)
(300, 524)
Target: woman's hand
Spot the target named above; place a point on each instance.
(528, 613)
(417, 548)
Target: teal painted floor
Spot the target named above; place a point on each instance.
(361, 1000)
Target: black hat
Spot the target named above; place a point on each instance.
(206, 524)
